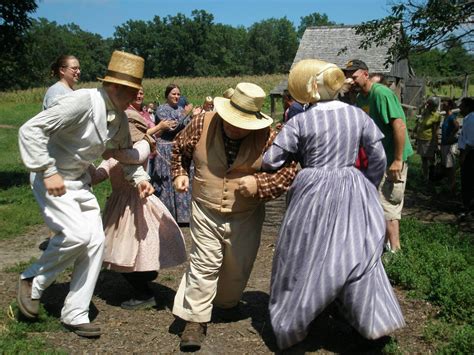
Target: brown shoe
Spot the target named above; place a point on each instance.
(28, 306)
(192, 337)
(87, 330)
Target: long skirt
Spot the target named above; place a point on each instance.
(178, 203)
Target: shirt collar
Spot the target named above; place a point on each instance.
(109, 106)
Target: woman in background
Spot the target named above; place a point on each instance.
(178, 204)
(68, 71)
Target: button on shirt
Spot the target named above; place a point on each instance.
(72, 133)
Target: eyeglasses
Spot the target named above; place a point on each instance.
(74, 69)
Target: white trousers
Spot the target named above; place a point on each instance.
(79, 240)
(224, 248)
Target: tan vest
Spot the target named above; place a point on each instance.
(214, 184)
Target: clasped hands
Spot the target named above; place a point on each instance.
(247, 185)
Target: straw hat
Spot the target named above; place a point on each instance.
(208, 100)
(312, 80)
(242, 110)
(125, 69)
(228, 93)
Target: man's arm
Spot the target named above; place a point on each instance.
(271, 185)
(182, 152)
(399, 129)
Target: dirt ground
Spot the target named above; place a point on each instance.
(156, 331)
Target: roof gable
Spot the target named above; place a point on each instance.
(328, 43)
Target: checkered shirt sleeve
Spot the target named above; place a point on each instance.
(183, 146)
(271, 185)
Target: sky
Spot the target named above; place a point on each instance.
(102, 16)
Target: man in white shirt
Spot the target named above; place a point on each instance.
(57, 146)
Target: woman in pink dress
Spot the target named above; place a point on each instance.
(141, 234)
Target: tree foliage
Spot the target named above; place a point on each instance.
(14, 22)
(451, 61)
(416, 26)
(314, 19)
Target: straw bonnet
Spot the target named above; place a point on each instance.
(125, 69)
(242, 110)
(312, 80)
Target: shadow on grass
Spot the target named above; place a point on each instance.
(114, 289)
(13, 178)
(329, 331)
(53, 300)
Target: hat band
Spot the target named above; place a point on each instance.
(122, 76)
(249, 112)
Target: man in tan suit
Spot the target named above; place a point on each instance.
(229, 192)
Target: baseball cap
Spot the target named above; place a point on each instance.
(355, 64)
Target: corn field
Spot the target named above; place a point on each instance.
(195, 89)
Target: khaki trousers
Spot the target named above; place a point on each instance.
(224, 248)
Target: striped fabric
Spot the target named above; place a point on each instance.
(332, 235)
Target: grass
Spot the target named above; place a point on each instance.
(19, 336)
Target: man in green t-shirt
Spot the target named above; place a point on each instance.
(383, 106)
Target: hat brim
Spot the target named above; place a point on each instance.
(109, 79)
(240, 119)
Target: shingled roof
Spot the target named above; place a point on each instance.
(338, 45)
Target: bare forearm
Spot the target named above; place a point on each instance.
(398, 138)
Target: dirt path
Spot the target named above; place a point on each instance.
(155, 331)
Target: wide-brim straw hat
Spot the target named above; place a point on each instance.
(125, 69)
(312, 80)
(243, 109)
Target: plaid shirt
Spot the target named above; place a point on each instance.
(269, 185)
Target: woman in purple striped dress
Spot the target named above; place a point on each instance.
(332, 235)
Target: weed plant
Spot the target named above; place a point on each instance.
(19, 336)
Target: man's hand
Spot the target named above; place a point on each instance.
(54, 184)
(181, 183)
(395, 171)
(145, 189)
(248, 186)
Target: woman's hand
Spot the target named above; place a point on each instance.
(54, 184)
(145, 189)
(181, 183)
(197, 110)
(167, 125)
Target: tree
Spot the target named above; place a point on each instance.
(314, 19)
(46, 40)
(14, 21)
(416, 26)
(272, 45)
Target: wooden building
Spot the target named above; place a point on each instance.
(338, 45)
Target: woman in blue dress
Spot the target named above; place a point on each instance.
(177, 203)
(331, 239)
